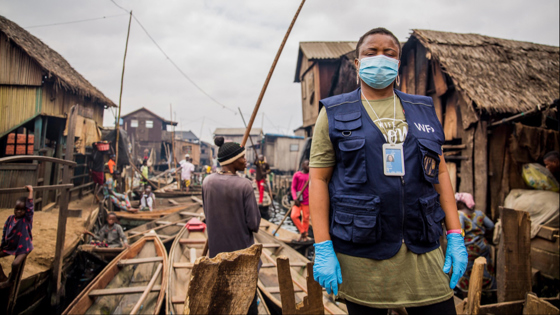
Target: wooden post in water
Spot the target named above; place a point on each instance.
(475, 286)
(514, 256)
(67, 172)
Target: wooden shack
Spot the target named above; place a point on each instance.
(37, 89)
(208, 153)
(236, 135)
(282, 152)
(183, 147)
(495, 100)
(317, 64)
(146, 130)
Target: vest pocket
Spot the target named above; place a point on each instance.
(432, 215)
(366, 229)
(429, 159)
(353, 155)
(356, 218)
(342, 227)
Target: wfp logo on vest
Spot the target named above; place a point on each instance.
(424, 128)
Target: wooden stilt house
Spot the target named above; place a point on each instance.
(481, 86)
(37, 89)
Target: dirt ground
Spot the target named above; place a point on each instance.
(44, 235)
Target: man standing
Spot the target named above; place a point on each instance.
(301, 204)
(97, 170)
(186, 171)
(262, 171)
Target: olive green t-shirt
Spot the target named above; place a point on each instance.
(406, 279)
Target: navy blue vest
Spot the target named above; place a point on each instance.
(372, 214)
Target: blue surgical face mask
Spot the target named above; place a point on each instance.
(379, 71)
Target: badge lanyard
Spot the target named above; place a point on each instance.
(393, 157)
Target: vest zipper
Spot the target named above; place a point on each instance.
(402, 207)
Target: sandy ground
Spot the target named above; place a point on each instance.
(44, 235)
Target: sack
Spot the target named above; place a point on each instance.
(539, 177)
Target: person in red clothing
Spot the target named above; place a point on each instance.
(262, 171)
(301, 204)
(16, 235)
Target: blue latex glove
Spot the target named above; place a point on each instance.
(457, 256)
(326, 269)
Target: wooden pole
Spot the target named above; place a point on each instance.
(148, 290)
(117, 124)
(63, 211)
(173, 146)
(265, 85)
(290, 210)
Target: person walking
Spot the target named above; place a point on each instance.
(377, 223)
(229, 204)
(301, 204)
(262, 171)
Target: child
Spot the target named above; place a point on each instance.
(144, 171)
(232, 215)
(111, 234)
(120, 201)
(16, 236)
(475, 224)
(147, 199)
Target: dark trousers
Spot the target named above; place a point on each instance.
(444, 308)
(254, 308)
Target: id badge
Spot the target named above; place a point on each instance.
(393, 159)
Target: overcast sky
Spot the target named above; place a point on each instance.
(227, 46)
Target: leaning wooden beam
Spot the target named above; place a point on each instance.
(475, 286)
(514, 256)
(40, 158)
(147, 290)
(225, 284)
(58, 291)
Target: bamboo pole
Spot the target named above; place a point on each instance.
(256, 156)
(290, 210)
(117, 124)
(265, 85)
(148, 290)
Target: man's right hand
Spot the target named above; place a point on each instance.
(326, 269)
(297, 203)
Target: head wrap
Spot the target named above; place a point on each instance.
(465, 198)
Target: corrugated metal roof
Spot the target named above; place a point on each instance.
(236, 131)
(326, 50)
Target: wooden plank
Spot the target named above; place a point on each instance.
(534, 305)
(467, 175)
(164, 222)
(292, 264)
(438, 107)
(40, 158)
(136, 261)
(422, 68)
(450, 118)
(270, 245)
(192, 214)
(546, 262)
(286, 286)
(439, 78)
(497, 141)
(36, 188)
(14, 289)
(545, 245)
(480, 170)
(468, 115)
(512, 307)
(118, 291)
(514, 256)
(548, 233)
(277, 289)
(192, 241)
(410, 73)
(475, 286)
(173, 202)
(180, 265)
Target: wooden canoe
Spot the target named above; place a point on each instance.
(268, 275)
(281, 235)
(177, 194)
(152, 215)
(263, 309)
(184, 251)
(167, 226)
(135, 280)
